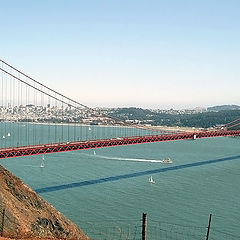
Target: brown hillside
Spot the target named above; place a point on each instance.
(28, 215)
(31, 238)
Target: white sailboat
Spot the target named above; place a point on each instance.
(42, 163)
(94, 153)
(9, 134)
(3, 136)
(150, 180)
(89, 129)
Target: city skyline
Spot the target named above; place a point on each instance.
(158, 54)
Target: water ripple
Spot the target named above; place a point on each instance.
(132, 175)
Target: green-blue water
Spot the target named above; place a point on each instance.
(107, 191)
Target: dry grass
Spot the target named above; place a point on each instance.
(3, 238)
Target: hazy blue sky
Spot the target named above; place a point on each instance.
(156, 54)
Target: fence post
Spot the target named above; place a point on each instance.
(144, 226)
(209, 225)
(3, 215)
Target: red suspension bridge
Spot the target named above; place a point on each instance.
(35, 119)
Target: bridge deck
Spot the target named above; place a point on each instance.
(73, 146)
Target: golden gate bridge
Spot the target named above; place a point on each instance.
(36, 119)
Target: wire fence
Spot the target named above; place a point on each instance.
(155, 230)
(113, 230)
(128, 230)
(159, 230)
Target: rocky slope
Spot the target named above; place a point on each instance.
(28, 215)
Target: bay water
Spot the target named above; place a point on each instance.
(105, 191)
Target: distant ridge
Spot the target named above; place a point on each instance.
(223, 108)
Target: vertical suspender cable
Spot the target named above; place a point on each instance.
(18, 113)
(62, 122)
(20, 140)
(33, 116)
(2, 108)
(42, 118)
(55, 124)
(5, 124)
(68, 108)
(13, 113)
(75, 123)
(26, 114)
(10, 114)
(48, 110)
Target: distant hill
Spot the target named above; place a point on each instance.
(28, 215)
(132, 113)
(215, 116)
(223, 108)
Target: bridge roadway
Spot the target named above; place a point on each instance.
(91, 144)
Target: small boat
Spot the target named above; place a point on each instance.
(94, 153)
(150, 180)
(3, 136)
(9, 134)
(167, 160)
(89, 129)
(42, 163)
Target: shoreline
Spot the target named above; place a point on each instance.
(178, 129)
(144, 127)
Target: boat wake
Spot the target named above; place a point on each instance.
(127, 159)
(30, 166)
